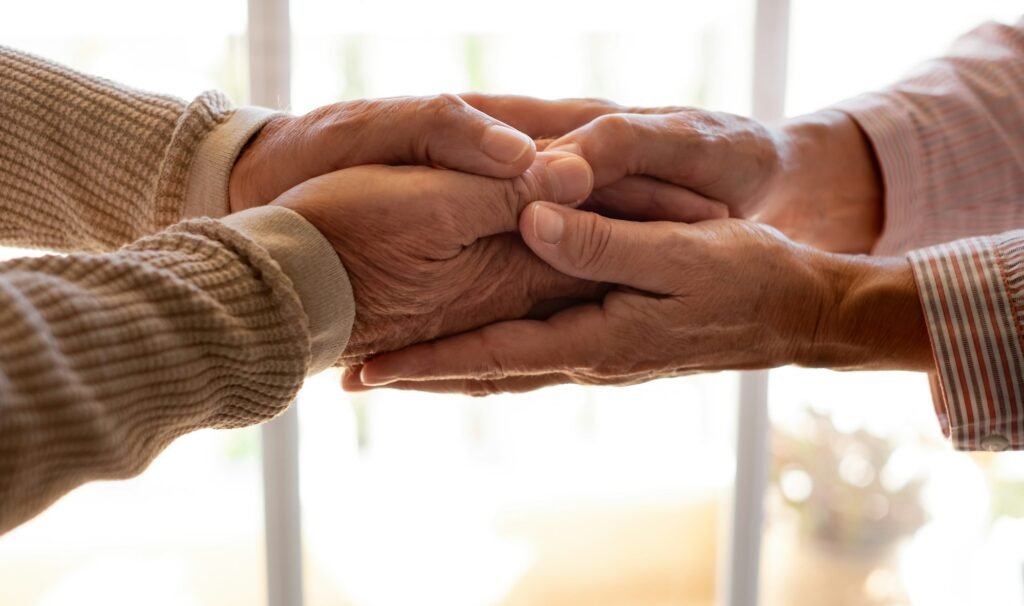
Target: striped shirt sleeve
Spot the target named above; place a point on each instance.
(972, 292)
(949, 139)
(950, 142)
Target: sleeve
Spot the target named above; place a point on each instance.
(107, 358)
(950, 142)
(972, 293)
(88, 164)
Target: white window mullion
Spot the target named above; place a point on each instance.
(269, 36)
(740, 573)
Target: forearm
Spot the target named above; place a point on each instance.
(88, 164)
(105, 359)
(930, 159)
(871, 317)
(828, 193)
(947, 142)
(953, 310)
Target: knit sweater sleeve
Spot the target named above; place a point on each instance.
(105, 358)
(88, 164)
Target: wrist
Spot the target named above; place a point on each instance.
(314, 271)
(829, 190)
(252, 183)
(870, 317)
(213, 164)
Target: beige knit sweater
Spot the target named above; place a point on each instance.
(106, 357)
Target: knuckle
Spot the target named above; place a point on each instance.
(677, 244)
(445, 105)
(592, 243)
(450, 100)
(438, 118)
(520, 191)
(617, 127)
(593, 107)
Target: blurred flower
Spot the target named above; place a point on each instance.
(854, 490)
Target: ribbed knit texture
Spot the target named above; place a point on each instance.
(87, 164)
(106, 358)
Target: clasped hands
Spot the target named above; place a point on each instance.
(620, 252)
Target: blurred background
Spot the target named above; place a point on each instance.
(570, 495)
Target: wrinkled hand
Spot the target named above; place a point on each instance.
(429, 251)
(723, 294)
(441, 130)
(815, 178)
(671, 163)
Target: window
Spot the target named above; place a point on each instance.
(569, 495)
(192, 525)
(868, 504)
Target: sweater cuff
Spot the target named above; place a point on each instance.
(893, 134)
(316, 273)
(206, 193)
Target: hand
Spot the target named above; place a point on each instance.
(725, 294)
(815, 178)
(429, 251)
(441, 130)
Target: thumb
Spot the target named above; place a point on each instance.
(446, 131)
(591, 247)
(443, 131)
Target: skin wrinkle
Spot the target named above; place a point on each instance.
(440, 130)
(692, 314)
(189, 322)
(425, 297)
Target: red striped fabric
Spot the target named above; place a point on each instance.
(950, 142)
(972, 312)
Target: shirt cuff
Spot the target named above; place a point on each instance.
(315, 270)
(968, 289)
(892, 131)
(206, 193)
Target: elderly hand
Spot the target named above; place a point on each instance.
(815, 178)
(441, 130)
(724, 294)
(429, 251)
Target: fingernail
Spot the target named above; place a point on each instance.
(569, 148)
(371, 379)
(571, 178)
(350, 381)
(548, 224)
(504, 144)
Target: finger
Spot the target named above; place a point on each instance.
(575, 338)
(666, 147)
(647, 199)
(442, 131)
(503, 280)
(540, 118)
(544, 118)
(589, 246)
(484, 207)
(351, 382)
